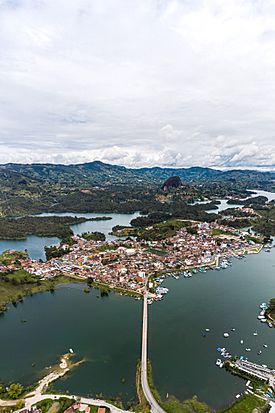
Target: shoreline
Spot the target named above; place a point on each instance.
(120, 290)
(80, 279)
(39, 393)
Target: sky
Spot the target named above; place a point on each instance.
(138, 83)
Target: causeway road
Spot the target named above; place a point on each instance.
(155, 407)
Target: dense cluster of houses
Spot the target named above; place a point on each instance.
(128, 263)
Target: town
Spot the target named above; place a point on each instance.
(129, 264)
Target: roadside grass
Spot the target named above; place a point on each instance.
(54, 406)
(143, 406)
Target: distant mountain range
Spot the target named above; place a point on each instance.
(101, 174)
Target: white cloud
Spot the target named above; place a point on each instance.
(172, 82)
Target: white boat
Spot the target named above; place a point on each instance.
(263, 306)
(265, 345)
(207, 330)
(226, 335)
(255, 333)
(248, 349)
(241, 341)
(71, 351)
(218, 362)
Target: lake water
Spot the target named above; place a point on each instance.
(107, 333)
(270, 195)
(224, 202)
(35, 245)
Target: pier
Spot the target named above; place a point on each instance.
(258, 371)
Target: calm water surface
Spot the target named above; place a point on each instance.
(106, 332)
(183, 360)
(35, 245)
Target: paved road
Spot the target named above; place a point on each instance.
(155, 408)
(30, 401)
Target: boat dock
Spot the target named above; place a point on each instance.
(258, 371)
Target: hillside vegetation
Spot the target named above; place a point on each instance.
(99, 187)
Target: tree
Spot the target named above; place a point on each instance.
(15, 390)
(2, 388)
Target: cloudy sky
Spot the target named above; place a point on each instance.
(138, 82)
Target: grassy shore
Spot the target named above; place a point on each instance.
(13, 293)
(247, 404)
(143, 406)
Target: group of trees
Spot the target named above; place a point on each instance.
(50, 226)
(13, 391)
(95, 236)
(56, 251)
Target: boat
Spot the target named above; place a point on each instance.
(226, 335)
(241, 341)
(265, 345)
(248, 349)
(219, 363)
(71, 351)
(207, 330)
(255, 333)
(233, 329)
(262, 312)
(263, 306)
(259, 352)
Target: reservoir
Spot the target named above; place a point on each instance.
(35, 245)
(106, 332)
